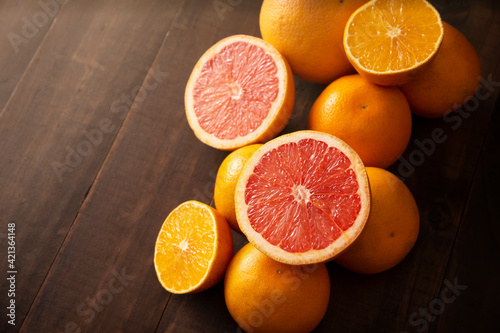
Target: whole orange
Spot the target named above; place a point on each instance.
(450, 80)
(264, 295)
(309, 34)
(391, 230)
(374, 120)
(225, 182)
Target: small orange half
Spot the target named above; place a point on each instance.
(388, 41)
(193, 248)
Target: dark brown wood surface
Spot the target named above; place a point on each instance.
(95, 152)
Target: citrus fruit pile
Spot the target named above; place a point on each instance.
(309, 197)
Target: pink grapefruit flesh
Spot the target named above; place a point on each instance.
(303, 197)
(240, 92)
(227, 103)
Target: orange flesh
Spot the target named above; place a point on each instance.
(185, 247)
(235, 91)
(390, 39)
(302, 196)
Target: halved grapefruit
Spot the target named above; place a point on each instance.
(303, 198)
(241, 91)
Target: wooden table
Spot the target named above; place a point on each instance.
(96, 150)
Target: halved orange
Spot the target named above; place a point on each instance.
(303, 197)
(241, 91)
(193, 248)
(388, 41)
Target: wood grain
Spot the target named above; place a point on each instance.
(23, 25)
(143, 178)
(473, 268)
(86, 237)
(93, 53)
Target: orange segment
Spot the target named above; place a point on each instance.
(303, 197)
(241, 91)
(193, 248)
(387, 41)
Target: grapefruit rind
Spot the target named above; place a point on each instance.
(311, 256)
(278, 115)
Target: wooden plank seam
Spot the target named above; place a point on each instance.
(120, 108)
(428, 314)
(221, 7)
(426, 147)
(31, 27)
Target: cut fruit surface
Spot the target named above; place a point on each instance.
(193, 248)
(241, 91)
(303, 197)
(388, 41)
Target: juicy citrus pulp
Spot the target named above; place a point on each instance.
(303, 197)
(240, 92)
(193, 248)
(388, 40)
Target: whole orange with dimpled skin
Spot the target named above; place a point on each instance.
(374, 120)
(391, 230)
(309, 35)
(264, 295)
(450, 80)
